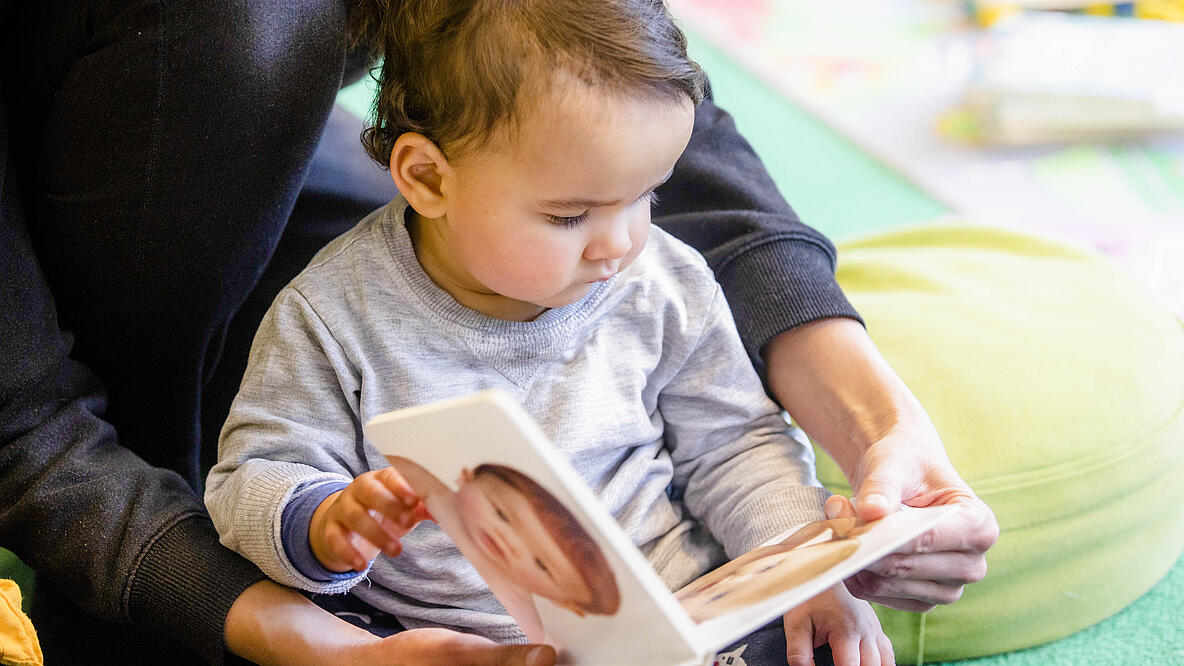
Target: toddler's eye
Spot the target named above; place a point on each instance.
(501, 514)
(572, 221)
(542, 566)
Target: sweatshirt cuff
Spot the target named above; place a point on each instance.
(185, 583)
(780, 284)
(772, 513)
(258, 518)
(294, 530)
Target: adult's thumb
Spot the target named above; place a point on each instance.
(878, 496)
(523, 655)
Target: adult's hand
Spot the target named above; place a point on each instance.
(835, 384)
(271, 624)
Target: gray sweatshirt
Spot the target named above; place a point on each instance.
(643, 385)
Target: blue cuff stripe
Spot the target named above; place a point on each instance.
(294, 528)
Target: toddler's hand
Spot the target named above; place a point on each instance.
(368, 516)
(838, 618)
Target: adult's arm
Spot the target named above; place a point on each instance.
(127, 541)
(819, 363)
(271, 624)
(830, 376)
(776, 272)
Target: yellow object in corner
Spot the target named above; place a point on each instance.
(18, 640)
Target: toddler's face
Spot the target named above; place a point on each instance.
(538, 216)
(505, 528)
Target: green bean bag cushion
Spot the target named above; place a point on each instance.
(1057, 385)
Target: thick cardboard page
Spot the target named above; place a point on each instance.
(584, 588)
(748, 592)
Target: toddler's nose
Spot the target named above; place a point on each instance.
(611, 241)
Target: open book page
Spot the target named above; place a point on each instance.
(751, 590)
(554, 557)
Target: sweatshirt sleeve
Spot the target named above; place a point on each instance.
(738, 466)
(777, 272)
(293, 429)
(127, 541)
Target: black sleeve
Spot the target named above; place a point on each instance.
(777, 273)
(126, 540)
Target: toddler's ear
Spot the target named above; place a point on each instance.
(418, 168)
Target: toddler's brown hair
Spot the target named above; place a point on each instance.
(457, 70)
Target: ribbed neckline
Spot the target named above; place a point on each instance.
(553, 325)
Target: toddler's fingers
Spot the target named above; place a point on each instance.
(364, 547)
(799, 642)
(367, 523)
(372, 492)
(339, 544)
(869, 652)
(422, 513)
(887, 654)
(845, 649)
(393, 530)
(398, 486)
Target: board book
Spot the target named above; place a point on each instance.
(566, 571)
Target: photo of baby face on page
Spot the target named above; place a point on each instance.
(521, 539)
(769, 570)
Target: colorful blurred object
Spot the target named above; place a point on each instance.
(1055, 78)
(989, 13)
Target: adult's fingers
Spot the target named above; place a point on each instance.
(505, 655)
(838, 506)
(970, 529)
(882, 490)
(908, 595)
(909, 605)
(950, 568)
(441, 646)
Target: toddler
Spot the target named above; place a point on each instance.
(526, 139)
